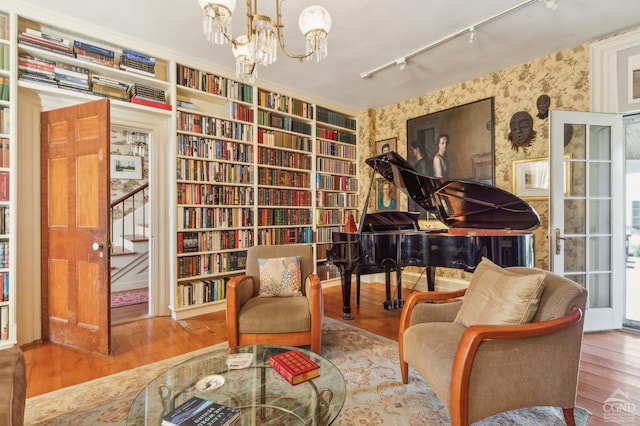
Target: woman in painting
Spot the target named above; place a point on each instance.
(440, 159)
(386, 199)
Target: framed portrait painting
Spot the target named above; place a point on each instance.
(385, 145)
(454, 143)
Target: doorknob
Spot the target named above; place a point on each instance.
(558, 238)
(98, 246)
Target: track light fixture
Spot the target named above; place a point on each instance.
(472, 30)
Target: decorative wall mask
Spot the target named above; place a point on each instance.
(522, 133)
(543, 103)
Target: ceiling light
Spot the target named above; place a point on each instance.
(264, 34)
(472, 34)
(403, 63)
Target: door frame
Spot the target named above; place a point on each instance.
(161, 154)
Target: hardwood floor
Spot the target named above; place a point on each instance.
(610, 360)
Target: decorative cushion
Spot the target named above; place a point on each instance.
(280, 276)
(499, 296)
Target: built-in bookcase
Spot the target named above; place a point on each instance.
(7, 185)
(215, 177)
(248, 165)
(336, 180)
(285, 163)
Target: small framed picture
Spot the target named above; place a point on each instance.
(530, 178)
(126, 167)
(385, 145)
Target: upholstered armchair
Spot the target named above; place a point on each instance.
(504, 346)
(259, 315)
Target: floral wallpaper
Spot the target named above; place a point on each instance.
(563, 76)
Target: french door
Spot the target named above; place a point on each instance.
(587, 210)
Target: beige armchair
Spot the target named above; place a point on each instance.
(293, 320)
(481, 370)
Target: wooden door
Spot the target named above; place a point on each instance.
(75, 172)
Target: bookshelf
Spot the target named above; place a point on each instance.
(242, 164)
(7, 186)
(336, 181)
(284, 164)
(214, 186)
(55, 60)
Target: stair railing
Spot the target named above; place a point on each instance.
(133, 201)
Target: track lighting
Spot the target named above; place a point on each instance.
(472, 30)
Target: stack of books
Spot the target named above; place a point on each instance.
(46, 41)
(72, 77)
(94, 54)
(110, 87)
(137, 63)
(37, 70)
(149, 96)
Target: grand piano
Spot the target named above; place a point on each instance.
(481, 221)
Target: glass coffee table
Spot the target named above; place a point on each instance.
(263, 396)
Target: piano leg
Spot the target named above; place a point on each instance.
(346, 293)
(431, 277)
(397, 303)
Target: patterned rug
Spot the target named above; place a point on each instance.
(369, 364)
(130, 298)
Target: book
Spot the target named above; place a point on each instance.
(148, 102)
(4, 186)
(138, 56)
(294, 366)
(90, 48)
(201, 412)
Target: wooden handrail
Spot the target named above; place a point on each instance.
(121, 202)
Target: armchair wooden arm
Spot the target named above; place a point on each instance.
(405, 317)
(471, 339)
(316, 306)
(239, 290)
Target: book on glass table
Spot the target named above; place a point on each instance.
(201, 412)
(294, 366)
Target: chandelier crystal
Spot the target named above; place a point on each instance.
(264, 34)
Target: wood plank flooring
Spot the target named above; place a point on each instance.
(610, 360)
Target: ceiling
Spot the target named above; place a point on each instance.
(368, 34)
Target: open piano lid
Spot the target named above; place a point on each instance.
(457, 203)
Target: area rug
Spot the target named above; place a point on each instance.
(369, 364)
(130, 298)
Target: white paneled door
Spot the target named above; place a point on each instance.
(587, 210)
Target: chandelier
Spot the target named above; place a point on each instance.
(264, 34)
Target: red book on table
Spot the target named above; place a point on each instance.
(294, 366)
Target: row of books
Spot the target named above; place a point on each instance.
(4, 322)
(276, 157)
(4, 254)
(331, 165)
(214, 217)
(273, 236)
(5, 184)
(283, 217)
(4, 27)
(201, 291)
(204, 193)
(5, 57)
(5, 152)
(335, 118)
(285, 103)
(193, 242)
(72, 77)
(213, 171)
(211, 263)
(129, 60)
(5, 121)
(4, 221)
(283, 140)
(4, 88)
(279, 177)
(214, 149)
(336, 182)
(4, 286)
(335, 199)
(284, 197)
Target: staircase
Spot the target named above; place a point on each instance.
(130, 241)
